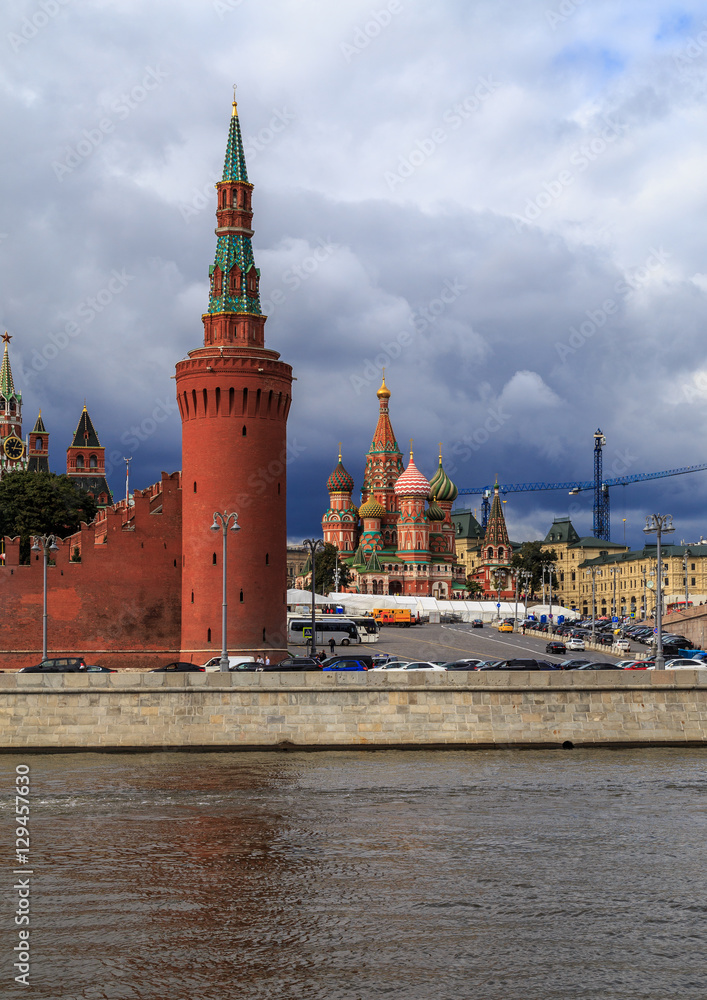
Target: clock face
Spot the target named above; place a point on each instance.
(13, 447)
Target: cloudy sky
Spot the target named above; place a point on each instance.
(502, 202)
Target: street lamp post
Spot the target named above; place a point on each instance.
(550, 567)
(613, 570)
(314, 545)
(45, 544)
(661, 524)
(527, 577)
(222, 523)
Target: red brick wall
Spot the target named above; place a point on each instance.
(120, 606)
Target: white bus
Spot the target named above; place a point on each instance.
(368, 627)
(342, 630)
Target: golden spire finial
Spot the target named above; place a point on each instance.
(234, 113)
(339, 450)
(384, 391)
(440, 456)
(411, 449)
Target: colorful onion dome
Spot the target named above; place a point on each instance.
(412, 483)
(441, 486)
(384, 391)
(371, 508)
(434, 511)
(340, 481)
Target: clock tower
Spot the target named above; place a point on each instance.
(234, 397)
(13, 452)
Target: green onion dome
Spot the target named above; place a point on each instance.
(371, 508)
(435, 512)
(340, 481)
(441, 486)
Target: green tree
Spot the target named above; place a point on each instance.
(41, 503)
(531, 557)
(325, 567)
(473, 587)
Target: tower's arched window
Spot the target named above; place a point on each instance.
(490, 553)
(208, 635)
(93, 462)
(500, 553)
(243, 432)
(80, 462)
(214, 559)
(195, 487)
(241, 597)
(40, 444)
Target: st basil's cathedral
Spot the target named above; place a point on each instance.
(401, 539)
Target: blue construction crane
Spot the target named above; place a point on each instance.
(600, 487)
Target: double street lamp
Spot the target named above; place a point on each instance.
(222, 523)
(661, 524)
(314, 545)
(45, 544)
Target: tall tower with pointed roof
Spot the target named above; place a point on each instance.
(86, 461)
(38, 448)
(234, 397)
(494, 572)
(13, 452)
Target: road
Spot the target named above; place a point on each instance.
(455, 642)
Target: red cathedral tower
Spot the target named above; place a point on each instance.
(234, 397)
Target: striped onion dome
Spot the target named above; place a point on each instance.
(435, 512)
(340, 481)
(412, 483)
(441, 486)
(371, 508)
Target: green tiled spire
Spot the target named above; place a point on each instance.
(7, 386)
(234, 246)
(234, 168)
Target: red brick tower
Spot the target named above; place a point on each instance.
(86, 461)
(234, 397)
(38, 450)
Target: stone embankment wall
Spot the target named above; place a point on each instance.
(344, 710)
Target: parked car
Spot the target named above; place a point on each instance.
(521, 664)
(179, 667)
(215, 662)
(462, 664)
(415, 665)
(345, 657)
(294, 663)
(555, 647)
(623, 644)
(249, 666)
(346, 664)
(685, 664)
(94, 668)
(638, 664)
(57, 665)
(576, 644)
(597, 665)
(476, 623)
(571, 664)
(604, 639)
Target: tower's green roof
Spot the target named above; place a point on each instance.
(234, 168)
(7, 386)
(234, 248)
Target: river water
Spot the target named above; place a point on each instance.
(496, 875)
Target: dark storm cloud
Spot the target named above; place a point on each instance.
(499, 203)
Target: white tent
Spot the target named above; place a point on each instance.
(297, 599)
